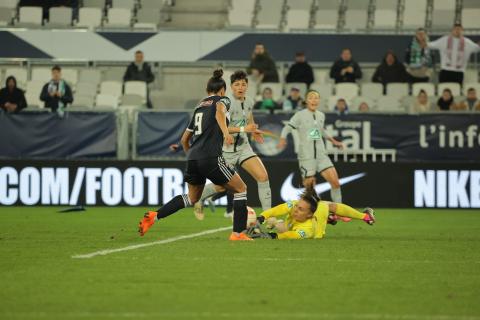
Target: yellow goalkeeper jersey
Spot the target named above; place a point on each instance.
(311, 228)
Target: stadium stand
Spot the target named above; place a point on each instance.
(414, 14)
(118, 18)
(89, 17)
(30, 17)
(60, 17)
(241, 13)
(443, 15)
(298, 14)
(326, 15)
(269, 14)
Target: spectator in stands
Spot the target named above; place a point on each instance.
(471, 103)
(294, 101)
(267, 102)
(341, 107)
(345, 69)
(12, 99)
(421, 103)
(56, 93)
(363, 107)
(455, 51)
(445, 102)
(139, 70)
(300, 71)
(418, 58)
(390, 70)
(262, 66)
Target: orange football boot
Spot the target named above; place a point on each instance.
(239, 237)
(147, 221)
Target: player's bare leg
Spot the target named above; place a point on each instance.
(239, 190)
(309, 182)
(208, 191)
(340, 210)
(254, 166)
(331, 176)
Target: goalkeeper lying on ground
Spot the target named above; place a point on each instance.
(305, 218)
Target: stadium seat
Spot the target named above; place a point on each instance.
(113, 88)
(356, 19)
(385, 19)
(30, 17)
(70, 75)
(89, 17)
(147, 18)
(453, 86)
(326, 19)
(269, 15)
(387, 5)
(471, 75)
(241, 14)
(470, 18)
(81, 101)
(325, 90)
(92, 76)
(33, 100)
(33, 89)
(276, 89)
(414, 14)
(114, 74)
(94, 4)
(10, 4)
(106, 101)
(321, 76)
(469, 85)
(137, 88)
(60, 17)
(389, 104)
(118, 18)
(359, 100)
(132, 100)
(20, 74)
(6, 16)
(152, 4)
(397, 90)
(428, 87)
(41, 74)
(372, 90)
(127, 4)
(346, 90)
(298, 14)
(86, 89)
(300, 85)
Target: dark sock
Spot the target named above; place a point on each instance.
(219, 195)
(172, 206)
(239, 212)
(229, 202)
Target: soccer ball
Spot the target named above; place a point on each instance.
(251, 217)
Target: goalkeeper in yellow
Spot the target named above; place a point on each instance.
(305, 218)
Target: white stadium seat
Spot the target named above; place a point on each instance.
(385, 19)
(60, 17)
(30, 16)
(106, 101)
(298, 14)
(82, 101)
(42, 74)
(136, 87)
(113, 88)
(270, 14)
(414, 14)
(10, 4)
(127, 4)
(241, 14)
(389, 104)
(86, 89)
(429, 88)
(397, 90)
(89, 17)
(346, 90)
(94, 4)
(453, 86)
(324, 89)
(70, 75)
(356, 19)
(470, 18)
(372, 90)
(90, 75)
(6, 16)
(118, 17)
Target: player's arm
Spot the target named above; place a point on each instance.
(334, 141)
(293, 124)
(280, 210)
(185, 141)
(221, 117)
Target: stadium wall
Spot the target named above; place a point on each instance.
(152, 183)
(190, 46)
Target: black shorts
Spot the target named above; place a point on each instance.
(214, 169)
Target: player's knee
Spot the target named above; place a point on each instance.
(335, 184)
(241, 188)
(194, 198)
(262, 177)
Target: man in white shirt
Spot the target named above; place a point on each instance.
(455, 51)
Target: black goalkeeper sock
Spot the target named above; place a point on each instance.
(219, 195)
(172, 206)
(229, 202)
(240, 211)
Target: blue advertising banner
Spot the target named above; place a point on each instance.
(45, 135)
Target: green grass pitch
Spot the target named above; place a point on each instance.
(413, 264)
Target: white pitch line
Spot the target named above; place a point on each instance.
(148, 244)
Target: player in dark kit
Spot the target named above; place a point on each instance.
(207, 132)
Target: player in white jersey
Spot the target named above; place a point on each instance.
(312, 156)
(240, 153)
